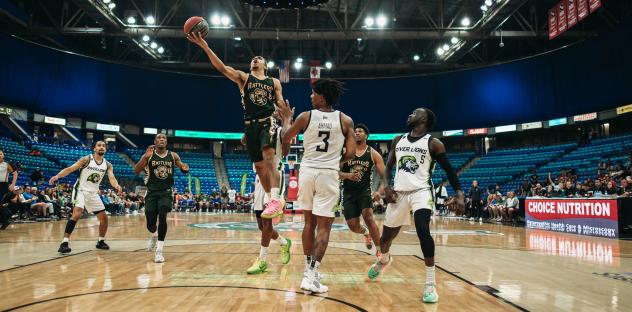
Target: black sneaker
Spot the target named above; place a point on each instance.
(63, 248)
(4, 226)
(102, 245)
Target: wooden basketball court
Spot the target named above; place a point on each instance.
(482, 267)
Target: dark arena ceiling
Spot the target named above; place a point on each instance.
(360, 38)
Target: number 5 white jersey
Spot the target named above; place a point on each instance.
(323, 140)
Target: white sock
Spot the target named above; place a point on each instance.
(65, 240)
(266, 198)
(385, 258)
(366, 230)
(101, 238)
(275, 193)
(314, 265)
(160, 245)
(281, 240)
(430, 275)
(263, 253)
(308, 260)
(152, 235)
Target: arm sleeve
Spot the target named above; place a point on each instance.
(443, 161)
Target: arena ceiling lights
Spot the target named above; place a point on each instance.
(285, 4)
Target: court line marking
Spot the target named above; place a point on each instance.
(476, 286)
(18, 266)
(354, 306)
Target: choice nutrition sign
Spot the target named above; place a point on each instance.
(593, 217)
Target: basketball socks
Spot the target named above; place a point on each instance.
(101, 238)
(66, 239)
(266, 198)
(314, 265)
(70, 226)
(281, 240)
(308, 261)
(263, 253)
(430, 275)
(275, 193)
(386, 257)
(365, 230)
(159, 246)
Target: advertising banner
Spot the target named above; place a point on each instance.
(571, 13)
(582, 9)
(561, 17)
(552, 23)
(591, 217)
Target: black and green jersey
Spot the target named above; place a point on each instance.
(258, 98)
(159, 172)
(362, 164)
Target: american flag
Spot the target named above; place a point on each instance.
(284, 71)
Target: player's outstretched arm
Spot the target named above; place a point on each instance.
(237, 76)
(82, 162)
(350, 142)
(178, 162)
(278, 93)
(291, 129)
(142, 163)
(112, 179)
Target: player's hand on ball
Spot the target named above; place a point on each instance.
(197, 39)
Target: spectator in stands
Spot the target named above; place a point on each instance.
(511, 206)
(598, 189)
(53, 208)
(497, 189)
(132, 202)
(36, 206)
(476, 198)
(37, 177)
(524, 190)
(612, 189)
(538, 190)
(494, 207)
(626, 187)
(8, 205)
(534, 179)
(569, 190)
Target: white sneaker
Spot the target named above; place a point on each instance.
(311, 284)
(472, 219)
(159, 258)
(480, 219)
(151, 243)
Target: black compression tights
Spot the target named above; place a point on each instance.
(162, 224)
(422, 224)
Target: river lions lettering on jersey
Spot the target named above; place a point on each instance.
(414, 164)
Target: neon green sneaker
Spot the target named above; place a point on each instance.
(430, 294)
(285, 252)
(377, 268)
(259, 266)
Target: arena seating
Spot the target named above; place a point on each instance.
(585, 158)
(505, 165)
(67, 155)
(15, 153)
(236, 166)
(200, 164)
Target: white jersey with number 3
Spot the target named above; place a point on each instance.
(414, 164)
(323, 140)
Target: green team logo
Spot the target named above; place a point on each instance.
(94, 178)
(252, 226)
(408, 164)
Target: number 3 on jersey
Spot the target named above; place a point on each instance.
(325, 135)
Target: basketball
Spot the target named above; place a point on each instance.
(196, 24)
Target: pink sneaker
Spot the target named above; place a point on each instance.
(273, 209)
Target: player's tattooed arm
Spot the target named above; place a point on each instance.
(81, 163)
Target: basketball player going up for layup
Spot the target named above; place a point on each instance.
(85, 194)
(326, 131)
(265, 225)
(259, 95)
(356, 176)
(158, 164)
(415, 154)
